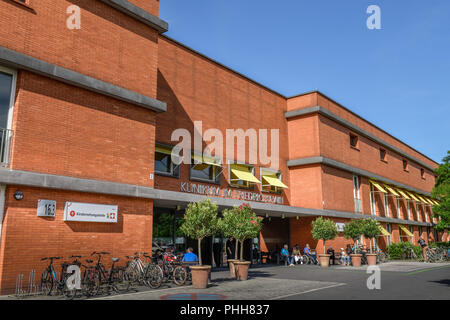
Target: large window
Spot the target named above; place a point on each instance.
(356, 194)
(389, 230)
(372, 201)
(408, 208)
(7, 90)
(242, 175)
(205, 169)
(271, 181)
(386, 205)
(399, 209)
(163, 162)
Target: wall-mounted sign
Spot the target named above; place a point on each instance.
(88, 212)
(340, 226)
(215, 191)
(46, 208)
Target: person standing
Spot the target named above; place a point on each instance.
(424, 246)
(230, 248)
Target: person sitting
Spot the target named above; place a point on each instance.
(169, 255)
(307, 251)
(190, 256)
(297, 255)
(345, 257)
(330, 251)
(285, 256)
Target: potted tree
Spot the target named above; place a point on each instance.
(200, 221)
(242, 224)
(227, 224)
(324, 229)
(371, 229)
(353, 230)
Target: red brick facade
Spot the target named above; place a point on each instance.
(64, 130)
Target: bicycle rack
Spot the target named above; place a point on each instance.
(33, 288)
(19, 283)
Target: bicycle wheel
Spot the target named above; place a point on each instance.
(88, 283)
(97, 283)
(305, 259)
(46, 283)
(179, 275)
(153, 276)
(121, 280)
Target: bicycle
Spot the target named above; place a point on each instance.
(49, 279)
(173, 271)
(116, 279)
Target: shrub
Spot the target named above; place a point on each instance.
(396, 250)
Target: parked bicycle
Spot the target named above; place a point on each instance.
(50, 281)
(116, 278)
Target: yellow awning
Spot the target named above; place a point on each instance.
(421, 199)
(242, 173)
(384, 231)
(413, 196)
(391, 190)
(405, 230)
(376, 185)
(435, 202)
(198, 159)
(403, 194)
(164, 150)
(274, 181)
(428, 200)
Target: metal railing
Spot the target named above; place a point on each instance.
(358, 206)
(5, 146)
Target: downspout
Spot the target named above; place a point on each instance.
(2, 208)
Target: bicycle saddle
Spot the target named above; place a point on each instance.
(115, 259)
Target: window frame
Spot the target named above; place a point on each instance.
(399, 209)
(175, 170)
(383, 158)
(247, 185)
(279, 176)
(217, 176)
(386, 205)
(405, 165)
(422, 173)
(356, 146)
(12, 95)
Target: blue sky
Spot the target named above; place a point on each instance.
(397, 77)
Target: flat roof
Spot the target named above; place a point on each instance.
(290, 97)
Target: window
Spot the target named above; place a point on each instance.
(163, 162)
(271, 181)
(383, 155)
(242, 175)
(398, 209)
(372, 200)
(408, 208)
(7, 91)
(405, 165)
(412, 232)
(356, 196)
(422, 173)
(386, 205)
(206, 169)
(353, 140)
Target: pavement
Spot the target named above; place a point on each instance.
(399, 280)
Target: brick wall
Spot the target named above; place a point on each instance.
(60, 129)
(26, 238)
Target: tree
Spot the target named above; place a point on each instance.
(371, 228)
(324, 229)
(441, 191)
(200, 221)
(353, 230)
(242, 224)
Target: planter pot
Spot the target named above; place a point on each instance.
(200, 276)
(242, 269)
(324, 260)
(371, 259)
(232, 267)
(356, 259)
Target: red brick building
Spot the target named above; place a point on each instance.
(87, 117)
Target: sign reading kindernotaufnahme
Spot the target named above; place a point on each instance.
(88, 212)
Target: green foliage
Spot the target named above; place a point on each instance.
(444, 245)
(200, 221)
(324, 229)
(371, 228)
(241, 223)
(396, 250)
(353, 230)
(441, 191)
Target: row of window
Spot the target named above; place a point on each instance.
(420, 208)
(209, 170)
(354, 143)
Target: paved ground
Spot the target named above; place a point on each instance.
(399, 280)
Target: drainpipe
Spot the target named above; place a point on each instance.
(2, 208)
